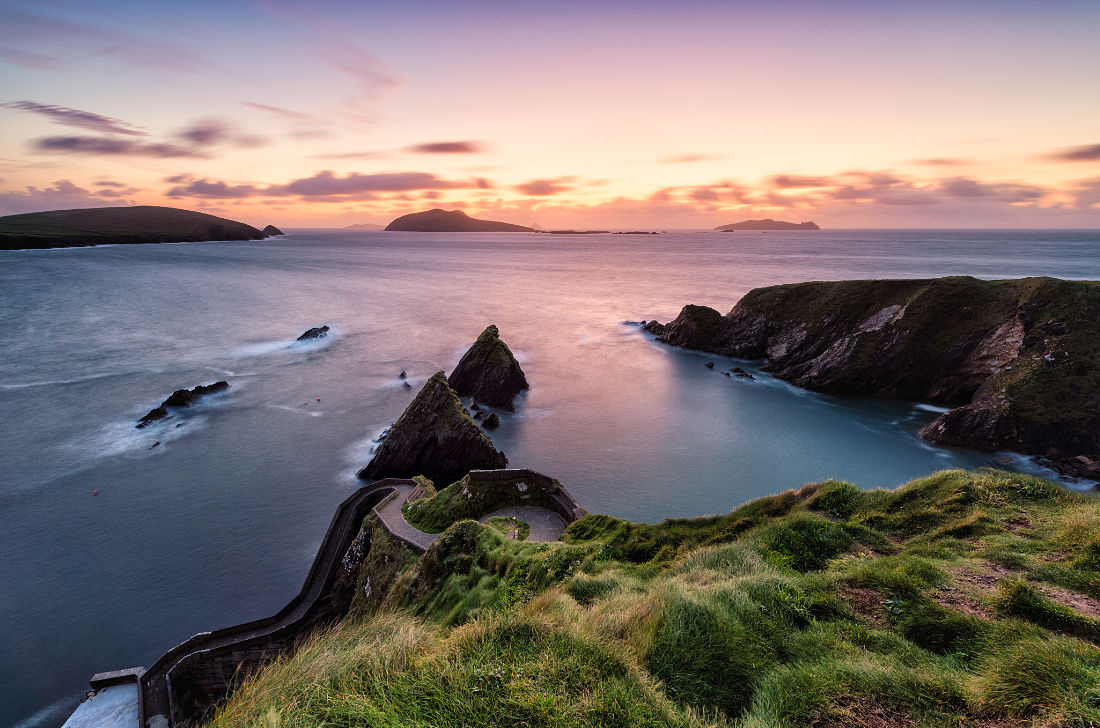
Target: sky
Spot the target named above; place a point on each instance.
(618, 115)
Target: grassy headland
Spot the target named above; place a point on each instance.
(116, 225)
(960, 599)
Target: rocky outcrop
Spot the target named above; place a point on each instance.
(488, 372)
(451, 221)
(317, 332)
(181, 398)
(434, 437)
(271, 230)
(768, 224)
(1018, 359)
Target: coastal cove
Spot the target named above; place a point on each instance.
(219, 523)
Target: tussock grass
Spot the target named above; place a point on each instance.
(825, 606)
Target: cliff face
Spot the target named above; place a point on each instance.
(435, 437)
(451, 221)
(1019, 358)
(489, 372)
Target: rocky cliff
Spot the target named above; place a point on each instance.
(451, 221)
(1019, 359)
(435, 437)
(489, 372)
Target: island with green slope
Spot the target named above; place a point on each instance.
(768, 224)
(451, 221)
(118, 225)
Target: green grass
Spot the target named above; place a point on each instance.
(471, 497)
(930, 605)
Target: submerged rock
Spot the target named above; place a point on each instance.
(434, 437)
(181, 398)
(488, 372)
(316, 332)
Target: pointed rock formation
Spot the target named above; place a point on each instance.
(434, 437)
(488, 372)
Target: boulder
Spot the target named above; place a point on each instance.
(181, 398)
(434, 437)
(316, 332)
(489, 373)
(491, 421)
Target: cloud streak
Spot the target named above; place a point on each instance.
(324, 186)
(77, 118)
(1086, 153)
(448, 148)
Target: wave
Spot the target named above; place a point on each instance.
(931, 408)
(74, 380)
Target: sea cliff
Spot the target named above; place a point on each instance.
(1017, 359)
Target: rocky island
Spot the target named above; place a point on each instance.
(435, 437)
(118, 225)
(768, 224)
(489, 372)
(451, 221)
(1016, 359)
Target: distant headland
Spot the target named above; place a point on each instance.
(452, 221)
(118, 225)
(364, 226)
(768, 224)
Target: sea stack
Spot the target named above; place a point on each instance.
(272, 230)
(489, 373)
(434, 437)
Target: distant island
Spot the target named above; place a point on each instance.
(768, 224)
(451, 221)
(118, 225)
(364, 226)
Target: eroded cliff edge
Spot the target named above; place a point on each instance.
(1017, 359)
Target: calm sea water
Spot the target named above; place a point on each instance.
(218, 524)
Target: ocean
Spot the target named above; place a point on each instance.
(219, 522)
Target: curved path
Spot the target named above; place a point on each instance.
(202, 670)
(158, 703)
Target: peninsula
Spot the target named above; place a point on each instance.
(451, 221)
(768, 224)
(118, 225)
(1016, 359)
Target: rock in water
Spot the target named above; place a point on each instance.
(315, 333)
(434, 437)
(181, 398)
(272, 230)
(491, 421)
(488, 372)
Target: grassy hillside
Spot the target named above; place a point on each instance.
(102, 225)
(961, 599)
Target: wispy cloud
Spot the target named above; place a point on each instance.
(323, 186)
(1086, 153)
(448, 148)
(112, 147)
(60, 195)
(544, 187)
(77, 118)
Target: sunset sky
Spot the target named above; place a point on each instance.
(619, 114)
